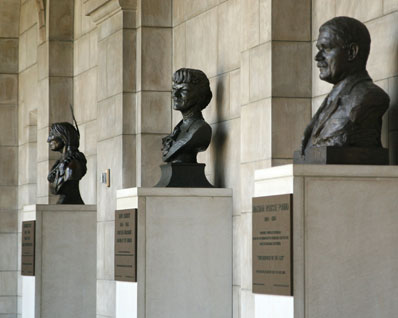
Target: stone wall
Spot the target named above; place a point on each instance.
(28, 103)
(85, 43)
(9, 33)
(55, 80)
(258, 55)
(115, 128)
(28, 100)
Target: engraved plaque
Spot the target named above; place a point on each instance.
(272, 245)
(126, 245)
(28, 248)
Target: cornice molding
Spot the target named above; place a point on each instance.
(41, 10)
(100, 10)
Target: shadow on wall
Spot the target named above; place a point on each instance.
(219, 139)
(393, 117)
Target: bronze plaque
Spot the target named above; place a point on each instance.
(126, 245)
(28, 248)
(272, 245)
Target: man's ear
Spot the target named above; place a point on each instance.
(353, 50)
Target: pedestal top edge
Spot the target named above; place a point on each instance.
(61, 207)
(174, 192)
(302, 170)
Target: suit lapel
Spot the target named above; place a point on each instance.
(330, 108)
(329, 111)
(319, 111)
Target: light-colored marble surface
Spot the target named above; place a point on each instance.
(273, 306)
(201, 42)
(383, 54)
(326, 171)
(295, 113)
(126, 300)
(9, 55)
(228, 46)
(344, 237)
(65, 275)
(184, 247)
(298, 82)
(260, 75)
(28, 299)
(363, 10)
(175, 192)
(298, 26)
(256, 119)
(12, 11)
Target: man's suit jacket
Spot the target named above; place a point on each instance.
(352, 117)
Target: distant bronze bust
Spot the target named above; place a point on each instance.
(71, 167)
(350, 117)
(190, 95)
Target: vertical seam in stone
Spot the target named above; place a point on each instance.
(304, 199)
(17, 264)
(41, 258)
(172, 28)
(259, 21)
(145, 291)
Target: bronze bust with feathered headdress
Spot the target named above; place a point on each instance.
(67, 171)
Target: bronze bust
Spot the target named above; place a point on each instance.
(67, 171)
(347, 126)
(190, 95)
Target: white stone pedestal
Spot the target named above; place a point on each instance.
(345, 237)
(64, 284)
(184, 251)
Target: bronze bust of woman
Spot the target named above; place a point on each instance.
(67, 171)
(190, 95)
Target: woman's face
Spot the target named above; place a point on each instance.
(185, 96)
(55, 143)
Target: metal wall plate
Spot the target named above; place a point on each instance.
(28, 248)
(272, 245)
(126, 245)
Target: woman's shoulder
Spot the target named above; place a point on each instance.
(200, 124)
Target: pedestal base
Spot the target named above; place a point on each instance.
(184, 251)
(183, 175)
(343, 155)
(64, 284)
(344, 237)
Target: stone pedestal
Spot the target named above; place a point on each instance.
(184, 252)
(345, 237)
(64, 284)
(342, 155)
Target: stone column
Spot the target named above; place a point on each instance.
(134, 71)
(28, 92)
(55, 75)
(116, 127)
(154, 59)
(275, 100)
(9, 13)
